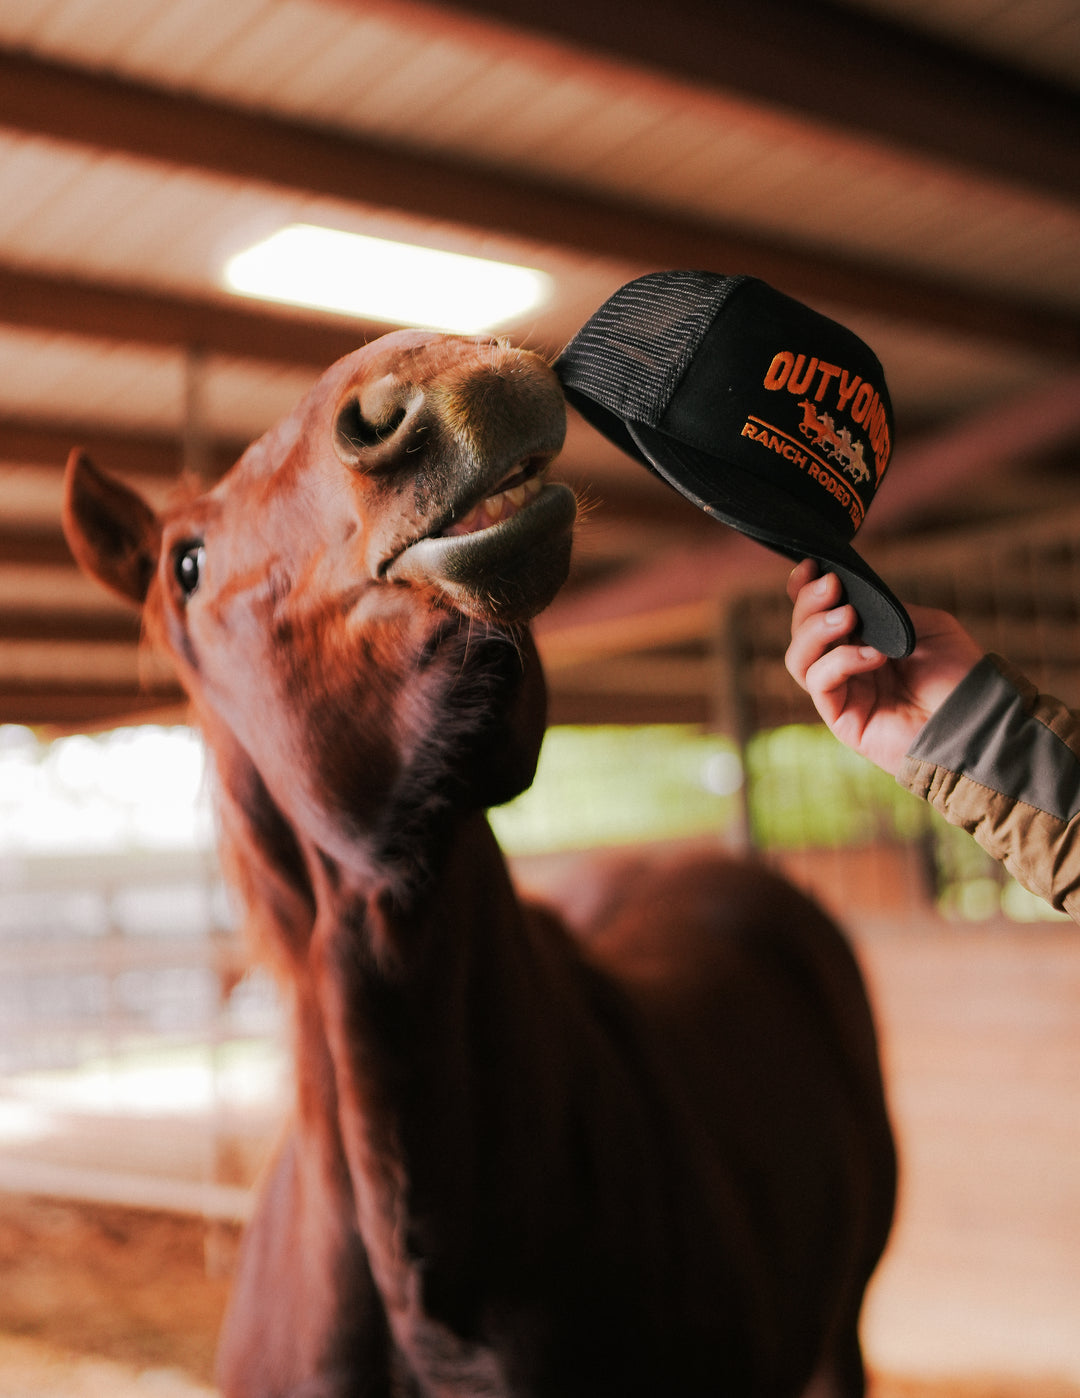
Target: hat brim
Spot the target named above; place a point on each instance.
(777, 520)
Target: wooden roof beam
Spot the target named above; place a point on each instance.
(74, 105)
(38, 547)
(71, 628)
(976, 448)
(66, 708)
(834, 63)
(73, 306)
(39, 442)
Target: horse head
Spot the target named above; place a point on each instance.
(346, 607)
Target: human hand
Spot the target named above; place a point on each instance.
(874, 705)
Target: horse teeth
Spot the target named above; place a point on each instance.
(499, 506)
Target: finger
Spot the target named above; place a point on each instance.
(828, 677)
(800, 575)
(815, 597)
(817, 633)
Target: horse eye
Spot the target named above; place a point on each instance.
(188, 567)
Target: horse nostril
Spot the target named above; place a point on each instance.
(353, 432)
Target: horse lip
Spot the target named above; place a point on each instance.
(528, 466)
(435, 557)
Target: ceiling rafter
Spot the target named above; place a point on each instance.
(74, 105)
(40, 546)
(68, 705)
(76, 306)
(973, 449)
(71, 627)
(837, 64)
(35, 442)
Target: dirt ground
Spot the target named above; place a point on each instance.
(106, 1302)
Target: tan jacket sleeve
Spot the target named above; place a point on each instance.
(1002, 761)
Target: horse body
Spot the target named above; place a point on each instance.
(648, 1157)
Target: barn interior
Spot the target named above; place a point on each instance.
(908, 167)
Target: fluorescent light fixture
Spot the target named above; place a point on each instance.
(304, 265)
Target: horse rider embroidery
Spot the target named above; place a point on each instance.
(836, 444)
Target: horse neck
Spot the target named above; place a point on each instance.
(438, 1013)
(436, 913)
(418, 1005)
(416, 976)
(357, 947)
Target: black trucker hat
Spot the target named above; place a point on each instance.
(767, 415)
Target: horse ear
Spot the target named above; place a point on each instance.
(113, 533)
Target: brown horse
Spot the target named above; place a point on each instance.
(652, 1158)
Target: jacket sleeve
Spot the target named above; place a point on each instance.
(1002, 761)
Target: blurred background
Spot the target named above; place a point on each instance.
(911, 167)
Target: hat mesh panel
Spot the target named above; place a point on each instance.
(632, 354)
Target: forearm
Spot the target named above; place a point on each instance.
(1003, 762)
